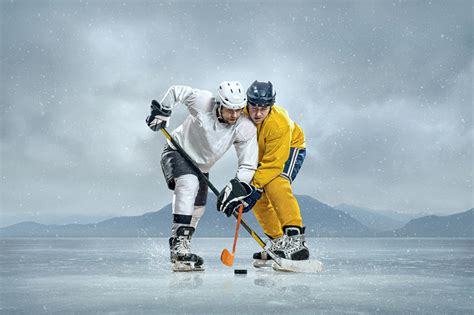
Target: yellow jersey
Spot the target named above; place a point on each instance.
(276, 135)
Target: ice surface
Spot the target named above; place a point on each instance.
(133, 276)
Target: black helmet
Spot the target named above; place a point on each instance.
(261, 94)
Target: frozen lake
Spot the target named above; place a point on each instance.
(133, 276)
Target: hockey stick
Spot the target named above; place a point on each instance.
(211, 186)
(291, 265)
(227, 258)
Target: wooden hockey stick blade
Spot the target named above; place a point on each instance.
(307, 266)
(227, 258)
(304, 266)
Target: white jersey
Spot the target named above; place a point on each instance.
(205, 139)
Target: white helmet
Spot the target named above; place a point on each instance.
(231, 95)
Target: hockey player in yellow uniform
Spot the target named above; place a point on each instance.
(282, 150)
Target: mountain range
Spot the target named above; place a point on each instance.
(455, 225)
(320, 219)
(375, 220)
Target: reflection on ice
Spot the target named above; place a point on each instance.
(134, 276)
(185, 281)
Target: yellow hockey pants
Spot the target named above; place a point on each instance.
(277, 208)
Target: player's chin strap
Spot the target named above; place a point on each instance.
(218, 106)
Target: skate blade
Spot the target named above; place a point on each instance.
(262, 263)
(305, 266)
(185, 267)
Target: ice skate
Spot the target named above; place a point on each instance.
(262, 259)
(294, 245)
(182, 259)
(295, 253)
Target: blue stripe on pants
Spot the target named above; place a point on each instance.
(294, 163)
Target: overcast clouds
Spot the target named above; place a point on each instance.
(382, 89)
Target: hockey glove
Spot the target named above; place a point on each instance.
(231, 197)
(253, 195)
(159, 117)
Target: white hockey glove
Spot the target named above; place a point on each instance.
(159, 117)
(231, 197)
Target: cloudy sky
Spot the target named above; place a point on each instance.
(382, 89)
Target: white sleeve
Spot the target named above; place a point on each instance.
(246, 146)
(195, 100)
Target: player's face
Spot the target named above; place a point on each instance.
(231, 116)
(258, 113)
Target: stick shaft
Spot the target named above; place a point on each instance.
(239, 217)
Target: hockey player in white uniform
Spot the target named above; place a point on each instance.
(213, 125)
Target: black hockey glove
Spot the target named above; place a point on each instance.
(159, 117)
(231, 197)
(253, 195)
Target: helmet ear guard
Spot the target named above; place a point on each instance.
(261, 94)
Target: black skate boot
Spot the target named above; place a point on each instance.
(262, 259)
(295, 253)
(295, 247)
(180, 251)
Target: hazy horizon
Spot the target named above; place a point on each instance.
(81, 219)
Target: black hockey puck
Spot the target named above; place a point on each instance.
(240, 271)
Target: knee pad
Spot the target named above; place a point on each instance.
(185, 193)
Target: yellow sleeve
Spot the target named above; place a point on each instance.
(277, 149)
